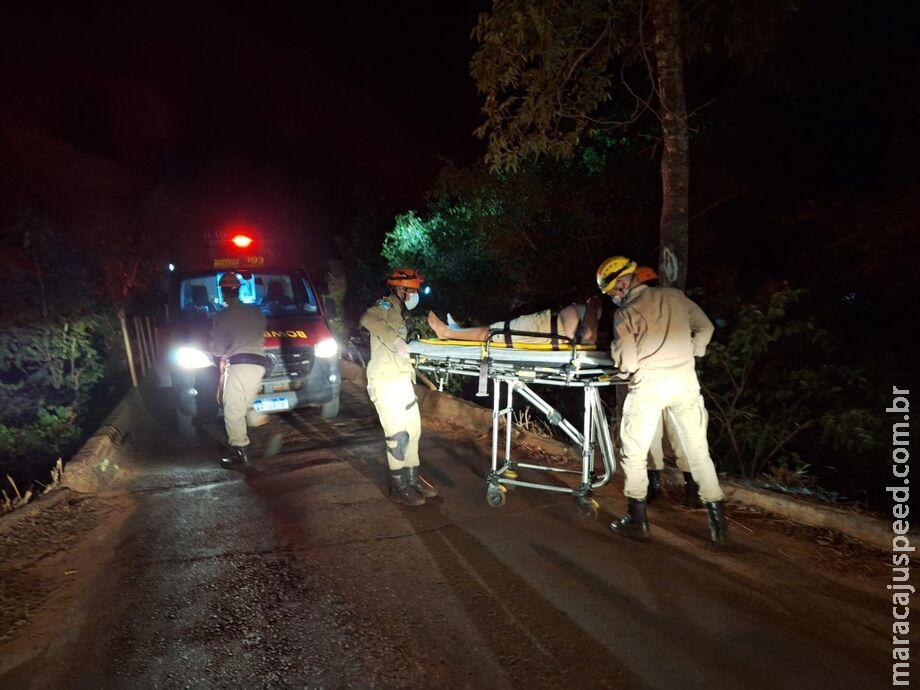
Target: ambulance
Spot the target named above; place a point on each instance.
(304, 356)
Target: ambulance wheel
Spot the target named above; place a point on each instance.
(496, 496)
(330, 409)
(185, 425)
(587, 508)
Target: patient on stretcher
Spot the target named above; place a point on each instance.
(577, 321)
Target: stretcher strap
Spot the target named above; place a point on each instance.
(553, 331)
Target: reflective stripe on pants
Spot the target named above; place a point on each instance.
(398, 410)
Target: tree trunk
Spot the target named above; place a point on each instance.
(675, 158)
(130, 356)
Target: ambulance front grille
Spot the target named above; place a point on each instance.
(294, 362)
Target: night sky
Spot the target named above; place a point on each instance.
(284, 108)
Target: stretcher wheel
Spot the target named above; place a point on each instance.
(587, 508)
(496, 495)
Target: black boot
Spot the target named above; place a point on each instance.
(691, 492)
(237, 457)
(401, 492)
(420, 484)
(654, 485)
(634, 523)
(718, 526)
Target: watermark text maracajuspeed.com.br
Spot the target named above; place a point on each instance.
(900, 544)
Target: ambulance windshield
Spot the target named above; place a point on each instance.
(276, 294)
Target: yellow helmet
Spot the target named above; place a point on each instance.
(611, 269)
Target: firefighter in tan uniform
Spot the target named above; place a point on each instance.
(665, 444)
(657, 334)
(238, 340)
(390, 385)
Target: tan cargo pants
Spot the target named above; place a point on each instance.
(666, 445)
(241, 385)
(399, 415)
(681, 401)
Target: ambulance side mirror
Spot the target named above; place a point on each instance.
(329, 307)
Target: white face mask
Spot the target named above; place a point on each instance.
(411, 301)
(619, 301)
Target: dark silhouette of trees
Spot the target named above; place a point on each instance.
(555, 74)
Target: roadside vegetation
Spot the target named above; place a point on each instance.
(62, 359)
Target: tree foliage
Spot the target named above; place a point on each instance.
(783, 394)
(54, 344)
(493, 246)
(364, 270)
(547, 73)
(129, 247)
(556, 73)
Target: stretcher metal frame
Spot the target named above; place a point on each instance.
(517, 368)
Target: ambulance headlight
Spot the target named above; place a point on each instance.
(326, 348)
(192, 358)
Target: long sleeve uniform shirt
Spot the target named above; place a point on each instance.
(238, 328)
(385, 323)
(658, 332)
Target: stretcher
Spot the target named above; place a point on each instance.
(518, 369)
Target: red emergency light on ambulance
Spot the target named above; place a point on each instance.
(306, 369)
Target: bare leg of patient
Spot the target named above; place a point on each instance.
(569, 318)
(444, 332)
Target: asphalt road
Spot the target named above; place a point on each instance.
(299, 572)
